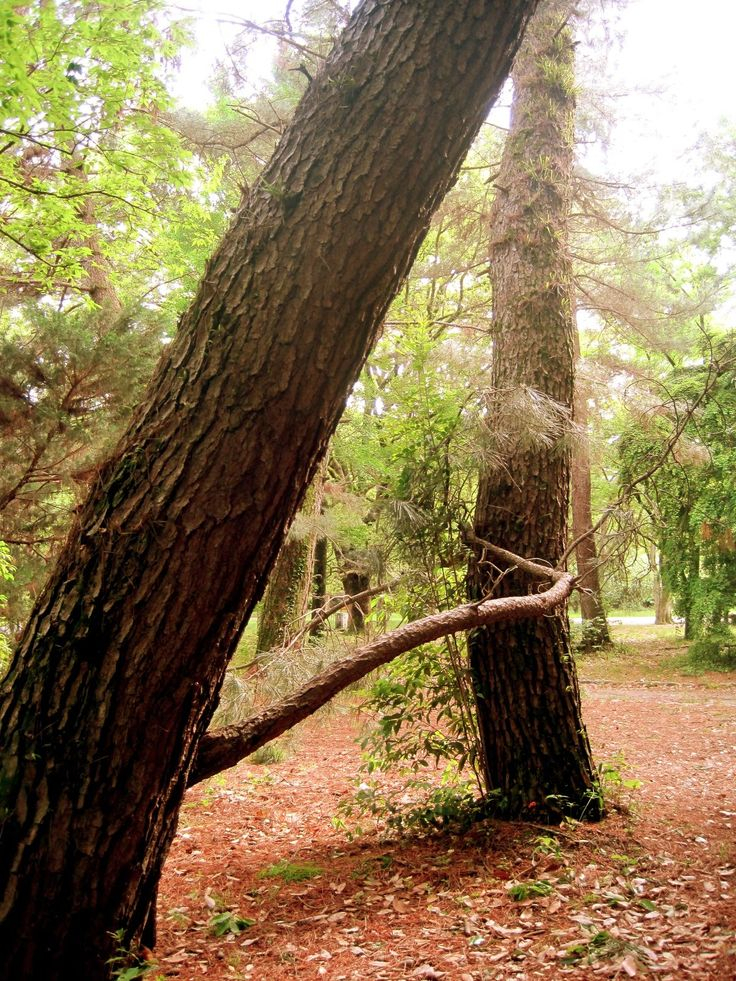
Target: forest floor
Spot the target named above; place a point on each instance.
(649, 892)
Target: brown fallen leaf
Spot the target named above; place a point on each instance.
(427, 972)
(628, 964)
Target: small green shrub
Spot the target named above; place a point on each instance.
(126, 966)
(228, 922)
(446, 806)
(548, 845)
(520, 891)
(714, 653)
(454, 803)
(601, 946)
(615, 790)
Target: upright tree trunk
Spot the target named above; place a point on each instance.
(691, 579)
(537, 757)
(286, 600)
(319, 582)
(117, 674)
(356, 578)
(592, 612)
(661, 594)
(281, 609)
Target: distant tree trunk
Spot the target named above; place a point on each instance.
(286, 600)
(97, 280)
(116, 677)
(281, 607)
(691, 579)
(319, 582)
(355, 573)
(537, 757)
(595, 625)
(661, 594)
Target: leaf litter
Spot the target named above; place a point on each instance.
(647, 893)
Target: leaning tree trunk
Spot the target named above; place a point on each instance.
(117, 674)
(537, 758)
(592, 612)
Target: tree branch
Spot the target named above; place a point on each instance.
(225, 747)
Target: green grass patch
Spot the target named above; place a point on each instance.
(268, 754)
(639, 653)
(291, 871)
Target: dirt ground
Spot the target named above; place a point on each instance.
(647, 893)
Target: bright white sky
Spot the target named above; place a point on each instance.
(686, 52)
(682, 51)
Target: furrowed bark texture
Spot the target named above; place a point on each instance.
(115, 679)
(592, 612)
(224, 747)
(537, 758)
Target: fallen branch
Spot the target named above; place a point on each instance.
(225, 747)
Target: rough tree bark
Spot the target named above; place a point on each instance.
(116, 676)
(281, 608)
(537, 759)
(592, 612)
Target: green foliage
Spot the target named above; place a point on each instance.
(228, 922)
(67, 384)
(614, 789)
(548, 845)
(107, 222)
(418, 806)
(418, 720)
(690, 497)
(601, 946)
(451, 805)
(717, 652)
(7, 570)
(291, 871)
(87, 167)
(418, 413)
(125, 966)
(521, 891)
